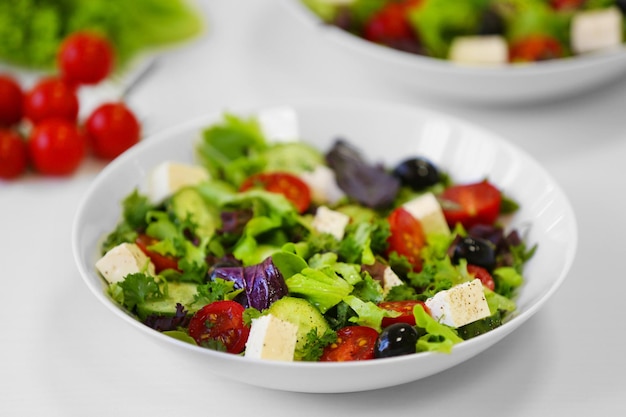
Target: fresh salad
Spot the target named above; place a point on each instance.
(278, 250)
(481, 31)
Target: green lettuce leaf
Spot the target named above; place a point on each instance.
(323, 289)
(438, 337)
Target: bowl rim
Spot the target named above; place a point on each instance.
(157, 138)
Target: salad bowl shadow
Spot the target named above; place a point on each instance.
(545, 81)
(386, 133)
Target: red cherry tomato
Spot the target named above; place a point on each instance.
(11, 101)
(56, 147)
(406, 236)
(471, 204)
(13, 154)
(390, 24)
(354, 343)
(111, 129)
(221, 322)
(535, 48)
(566, 4)
(161, 262)
(404, 307)
(51, 98)
(85, 58)
(292, 187)
(483, 275)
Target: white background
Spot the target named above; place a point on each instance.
(63, 354)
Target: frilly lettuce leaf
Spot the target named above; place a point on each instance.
(438, 337)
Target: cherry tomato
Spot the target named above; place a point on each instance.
(13, 154)
(11, 101)
(51, 98)
(390, 24)
(161, 262)
(471, 204)
(404, 307)
(483, 275)
(406, 236)
(566, 4)
(85, 58)
(56, 147)
(535, 48)
(292, 187)
(221, 322)
(112, 128)
(354, 343)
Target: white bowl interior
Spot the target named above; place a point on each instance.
(386, 133)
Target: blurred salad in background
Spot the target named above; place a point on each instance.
(32, 30)
(481, 31)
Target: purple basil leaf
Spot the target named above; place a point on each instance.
(368, 184)
(264, 284)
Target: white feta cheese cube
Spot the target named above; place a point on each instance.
(390, 280)
(460, 305)
(592, 30)
(323, 185)
(122, 260)
(427, 210)
(479, 50)
(330, 221)
(271, 338)
(279, 124)
(169, 177)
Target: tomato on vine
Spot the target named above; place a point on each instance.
(51, 98)
(85, 57)
(11, 101)
(57, 147)
(13, 154)
(111, 129)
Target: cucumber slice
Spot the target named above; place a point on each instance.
(188, 202)
(479, 327)
(301, 313)
(177, 292)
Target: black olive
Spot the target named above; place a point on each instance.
(491, 23)
(395, 340)
(476, 251)
(621, 4)
(417, 173)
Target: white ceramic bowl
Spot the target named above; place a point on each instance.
(513, 84)
(386, 133)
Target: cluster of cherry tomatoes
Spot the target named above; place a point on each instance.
(40, 127)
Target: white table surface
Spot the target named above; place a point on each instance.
(64, 354)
